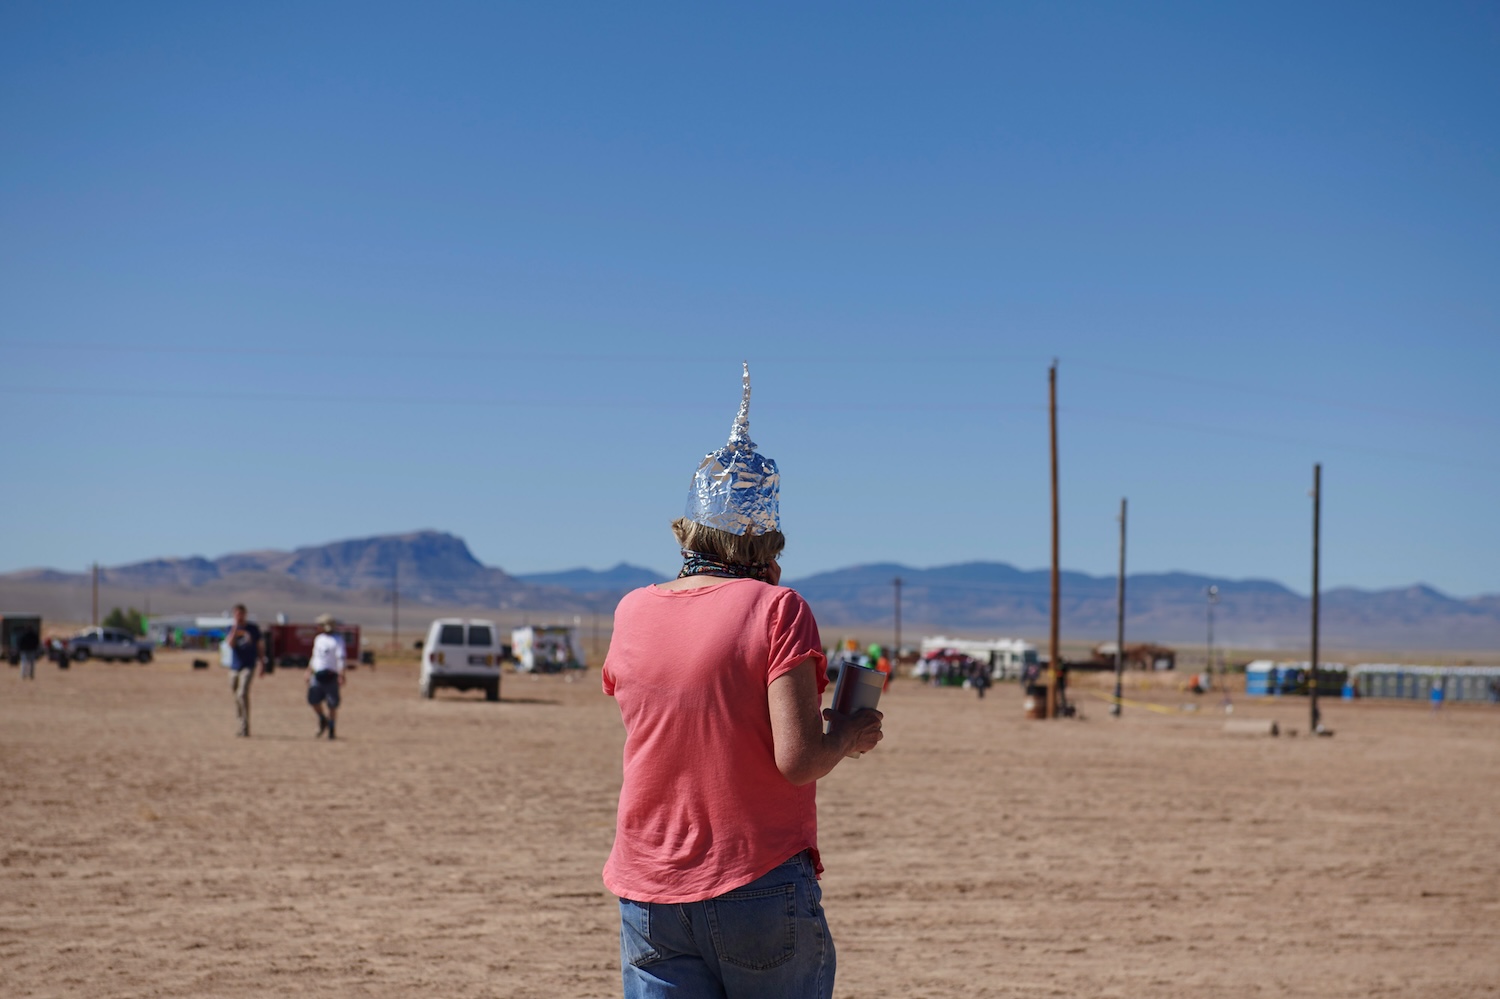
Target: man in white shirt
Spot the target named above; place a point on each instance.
(325, 675)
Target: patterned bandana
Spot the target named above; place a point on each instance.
(699, 564)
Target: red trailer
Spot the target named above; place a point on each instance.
(291, 644)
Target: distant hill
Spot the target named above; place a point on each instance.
(996, 598)
(614, 582)
(437, 569)
(431, 567)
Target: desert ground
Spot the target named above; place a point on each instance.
(452, 847)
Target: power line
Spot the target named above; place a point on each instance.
(1302, 442)
(547, 402)
(654, 405)
(860, 359)
(1255, 390)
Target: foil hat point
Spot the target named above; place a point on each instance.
(736, 489)
(739, 434)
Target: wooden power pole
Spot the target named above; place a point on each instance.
(1314, 720)
(396, 606)
(1055, 663)
(1117, 706)
(896, 649)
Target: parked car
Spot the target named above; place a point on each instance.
(462, 654)
(546, 648)
(109, 644)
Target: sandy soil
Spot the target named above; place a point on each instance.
(452, 847)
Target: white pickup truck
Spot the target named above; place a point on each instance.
(108, 644)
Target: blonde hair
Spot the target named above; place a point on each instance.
(736, 549)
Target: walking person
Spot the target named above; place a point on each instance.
(718, 676)
(27, 644)
(245, 655)
(979, 677)
(325, 675)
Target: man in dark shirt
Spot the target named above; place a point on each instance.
(244, 644)
(27, 644)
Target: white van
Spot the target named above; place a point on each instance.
(461, 654)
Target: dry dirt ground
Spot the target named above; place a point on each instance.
(452, 848)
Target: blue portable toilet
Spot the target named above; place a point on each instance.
(1259, 678)
(1287, 677)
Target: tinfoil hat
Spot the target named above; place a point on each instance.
(735, 488)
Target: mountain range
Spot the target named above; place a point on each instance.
(995, 598)
(990, 598)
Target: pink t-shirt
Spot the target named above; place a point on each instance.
(703, 809)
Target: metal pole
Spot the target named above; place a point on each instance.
(1225, 701)
(1213, 598)
(1115, 708)
(896, 650)
(396, 606)
(95, 620)
(1055, 655)
(1314, 722)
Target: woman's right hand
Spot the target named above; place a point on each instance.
(862, 730)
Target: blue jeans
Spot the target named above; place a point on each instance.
(768, 938)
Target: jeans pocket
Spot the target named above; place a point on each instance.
(635, 934)
(755, 929)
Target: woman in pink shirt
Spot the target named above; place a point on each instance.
(718, 675)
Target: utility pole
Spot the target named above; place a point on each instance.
(95, 620)
(396, 606)
(1213, 598)
(1314, 722)
(1116, 707)
(896, 649)
(1225, 701)
(1055, 663)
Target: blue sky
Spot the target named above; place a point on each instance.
(279, 274)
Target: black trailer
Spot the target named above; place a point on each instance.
(14, 624)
